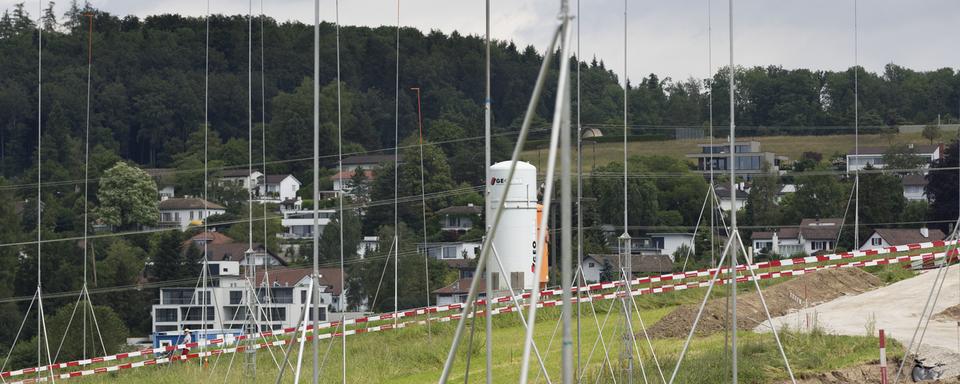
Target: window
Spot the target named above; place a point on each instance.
(876, 241)
(450, 252)
(165, 314)
(820, 245)
(281, 295)
(235, 313)
(273, 314)
(591, 264)
(236, 297)
(202, 298)
(195, 313)
(516, 280)
(177, 296)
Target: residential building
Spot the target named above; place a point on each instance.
(593, 265)
(280, 302)
(456, 292)
(458, 250)
(887, 237)
(750, 159)
(241, 178)
(164, 178)
(725, 200)
(368, 161)
(914, 187)
(810, 237)
(459, 218)
(299, 224)
(368, 244)
(183, 212)
(669, 243)
(239, 253)
(347, 177)
(279, 187)
(873, 156)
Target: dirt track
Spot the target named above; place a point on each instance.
(781, 299)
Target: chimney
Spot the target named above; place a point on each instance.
(924, 232)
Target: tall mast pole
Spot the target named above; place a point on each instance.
(316, 189)
(579, 276)
(856, 126)
(713, 212)
(396, 178)
(566, 214)
(206, 109)
(86, 180)
(488, 273)
(733, 207)
(250, 363)
(625, 240)
(343, 296)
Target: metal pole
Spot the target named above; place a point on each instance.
(343, 296)
(579, 196)
(316, 185)
(487, 241)
(856, 128)
(733, 209)
(625, 241)
(488, 161)
(423, 210)
(566, 220)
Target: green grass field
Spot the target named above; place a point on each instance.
(790, 146)
(413, 356)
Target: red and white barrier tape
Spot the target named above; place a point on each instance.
(507, 299)
(497, 311)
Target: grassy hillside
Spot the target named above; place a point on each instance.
(790, 146)
(414, 356)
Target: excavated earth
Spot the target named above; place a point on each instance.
(783, 298)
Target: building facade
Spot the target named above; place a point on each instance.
(750, 159)
(183, 212)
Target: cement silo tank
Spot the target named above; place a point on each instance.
(515, 240)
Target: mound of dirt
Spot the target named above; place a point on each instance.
(949, 314)
(796, 293)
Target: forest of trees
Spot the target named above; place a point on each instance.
(147, 111)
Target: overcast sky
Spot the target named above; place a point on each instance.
(666, 37)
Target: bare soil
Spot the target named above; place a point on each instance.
(949, 314)
(783, 298)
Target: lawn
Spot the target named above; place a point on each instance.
(791, 146)
(413, 356)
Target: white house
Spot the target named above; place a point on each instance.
(914, 187)
(241, 178)
(279, 302)
(186, 211)
(279, 187)
(873, 156)
(886, 237)
(368, 244)
(810, 237)
(725, 201)
(347, 177)
(458, 218)
(456, 292)
(368, 161)
(669, 243)
(299, 224)
(450, 250)
(239, 252)
(593, 265)
(164, 178)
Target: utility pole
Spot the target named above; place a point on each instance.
(488, 161)
(733, 208)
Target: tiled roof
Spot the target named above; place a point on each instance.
(460, 210)
(458, 287)
(235, 252)
(811, 229)
(901, 236)
(242, 172)
(187, 203)
(211, 236)
(914, 180)
(640, 264)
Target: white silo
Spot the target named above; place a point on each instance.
(515, 240)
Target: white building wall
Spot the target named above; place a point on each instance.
(914, 193)
(183, 217)
(176, 314)
(874, 242)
